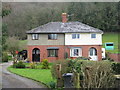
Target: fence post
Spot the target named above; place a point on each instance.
(59, 76)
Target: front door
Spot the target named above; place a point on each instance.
(36, 55)
(93, 54)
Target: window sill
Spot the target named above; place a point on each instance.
(52, 39)
(35, 39)
(75, 56)
(52, 56)
(75, 38)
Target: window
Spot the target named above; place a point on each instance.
(109, 44)
(75, 52)
(75, 36)
(35, 36)
(52, 36)
(53, 53)
(93, 35)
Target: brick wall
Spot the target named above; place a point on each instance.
(115, 57)
(62, 50)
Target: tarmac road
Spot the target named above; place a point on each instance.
(10, 80)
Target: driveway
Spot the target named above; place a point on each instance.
(10, 80)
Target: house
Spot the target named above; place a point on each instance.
(59, 40)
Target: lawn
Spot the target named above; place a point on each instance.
(41, 75)
(23, 42)
(111, 37)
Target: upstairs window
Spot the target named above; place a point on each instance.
(93, 35)
(75, 36)
(35, 36)
(52, 36)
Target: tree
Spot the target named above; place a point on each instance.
(6, 10)
(100, 15)
(12, 45)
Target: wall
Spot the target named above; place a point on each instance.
(62, 50)
(43, 40)
(115, 57)
(44, 53)
(85, 39)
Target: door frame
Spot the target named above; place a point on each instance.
(36, 55)
(94, 56)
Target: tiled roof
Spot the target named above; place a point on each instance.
(69, 27)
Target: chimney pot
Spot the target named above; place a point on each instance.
(64, 17)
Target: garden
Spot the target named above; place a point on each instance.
(36, 71)
(85, 73)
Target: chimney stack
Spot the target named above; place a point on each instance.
(64, 17)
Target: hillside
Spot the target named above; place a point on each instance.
(25, 16)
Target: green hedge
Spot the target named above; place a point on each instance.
(116, 67)
(98, 71)
(19, 64)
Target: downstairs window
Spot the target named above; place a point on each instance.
(75, 52)
(53, 53)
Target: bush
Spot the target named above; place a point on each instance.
(94, 74)
(116, 67)
(97, 74)
(9, 57)
(82, 58)
(52, 85)
(5, 57)
(33, 65)
(45, 64)
(64, 68)
(19, 64)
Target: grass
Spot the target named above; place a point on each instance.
(41, 75)
(23, 42)
(111, 37)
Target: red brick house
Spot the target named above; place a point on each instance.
(59, 40)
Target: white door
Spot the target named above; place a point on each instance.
(93, 54)
(103, 53)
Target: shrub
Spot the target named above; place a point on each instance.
(64, 67)
(33, 65)
(82, 58)
(116, 67)
(5, 57)
(97, 74)
(19, 64)
(10, 57)
(52, 85)
(45, 64)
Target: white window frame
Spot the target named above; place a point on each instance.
(72, 52)
(35, 36)
(76, 36)
(93, 34)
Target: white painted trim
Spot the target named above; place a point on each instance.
(72, 51)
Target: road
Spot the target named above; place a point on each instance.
(10, 80)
